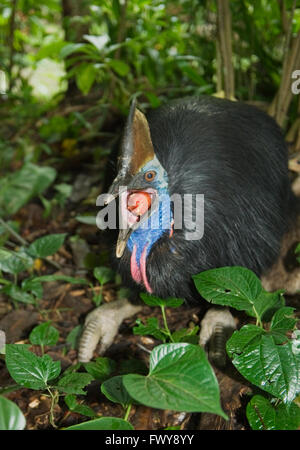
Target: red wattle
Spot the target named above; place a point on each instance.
(135, 270)
(143, 269)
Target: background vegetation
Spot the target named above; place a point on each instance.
(68, 70)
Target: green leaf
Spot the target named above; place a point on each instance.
(18, 188)
(29, 370)
(262, 415)
(273, 368)
(151, 328)
(85, 77)
(104, 423)
(67, 279)
(46, 245)
(11, 417)
(103, 274)
(101, 368)
(44, 334)
(283, 320)
(69, 49)
(18, 294)
(89, 220)
(119, 66)
(35, 287)
(73, 383)
(180, 378)
(229, 286)
(169, 302)
(115, 391)
(186, 335)
(15, 262)
(239, 288)
(74, 406)
(73, 336)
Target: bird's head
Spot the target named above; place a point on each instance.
(142, 187)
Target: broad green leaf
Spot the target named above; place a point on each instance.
(46, 245)
(115, 391)
(15, 262)
(34, 287)
(69, 49)
(169, 302)
(119, 66)
(74, 406)
(18, 294)
(44, 334)
(103, 274)
(101, 368)
(11, 417)
(283, 320)
(104, 423)
(19, 187)
(266, 305)
(28, 369)
(237, 287)
(273, 368)
(151, 328)
(262, 415)
(180, 378)
(85, 77)
(73, 383)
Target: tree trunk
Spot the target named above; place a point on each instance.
(225, 45)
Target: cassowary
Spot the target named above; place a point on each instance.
(230, 154)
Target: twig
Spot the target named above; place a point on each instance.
(12, 24)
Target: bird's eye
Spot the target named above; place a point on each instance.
(150, 175)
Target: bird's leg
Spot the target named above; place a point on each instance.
(216, 327)
(101, 325)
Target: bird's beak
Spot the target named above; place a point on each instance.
(135, 207)
(137, 149)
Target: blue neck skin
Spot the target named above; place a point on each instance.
(160, 220)
(147, 235)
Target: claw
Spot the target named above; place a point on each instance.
(216, 327)
(102, 325)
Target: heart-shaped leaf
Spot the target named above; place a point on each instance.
(273, 367)
(115, 391)
(44, 334)
(180, 378)
(28, 369)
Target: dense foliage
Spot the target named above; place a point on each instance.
(68, 71)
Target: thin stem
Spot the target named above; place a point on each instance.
(13, 232)
(54, 399)
(165, 323)
(258, 320)
(127, 412)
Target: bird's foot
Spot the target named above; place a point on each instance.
(216, 327)
(101, 325)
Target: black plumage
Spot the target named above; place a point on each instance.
(236, 156)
